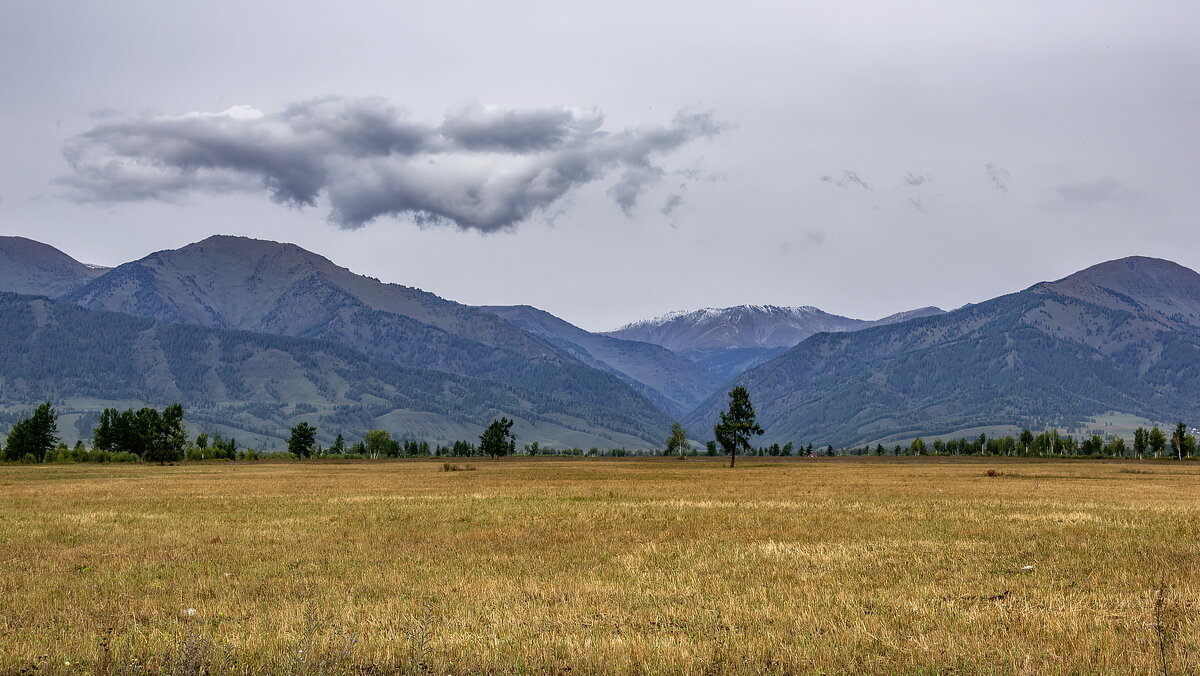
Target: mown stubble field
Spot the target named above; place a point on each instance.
(649, 566)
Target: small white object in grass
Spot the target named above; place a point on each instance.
(1027, 568)
(190, 612)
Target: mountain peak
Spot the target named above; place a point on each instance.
(31, 267)
(1121, 271)
(1150, 284)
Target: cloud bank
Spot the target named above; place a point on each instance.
(482, 168)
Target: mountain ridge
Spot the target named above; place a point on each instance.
(659, 373)
(279, 288)
(32, 267)
(728, 341)
(1051, 354)
(260, 384)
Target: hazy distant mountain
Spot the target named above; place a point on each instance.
(31, 267)
(269, 287)
(1119, 336)
(257, 386)
(730, 340)
(676, 383)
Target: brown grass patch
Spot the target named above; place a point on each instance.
(599, 566)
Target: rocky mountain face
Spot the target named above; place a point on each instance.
(1120, 336)
(269, 287)
(728, 341)
(256, 386)
(31, 267)
(675, 383)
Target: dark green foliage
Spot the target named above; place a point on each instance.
(1157, 441)
(33, 436)
(380, 444)
(1183, 445)
(303, 441)
(677, 443)
(738, 424)
(498, 439)
(146, 433)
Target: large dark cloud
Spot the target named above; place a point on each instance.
(481, 168)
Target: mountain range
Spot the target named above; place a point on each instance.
(1120, 336)
(255, 336)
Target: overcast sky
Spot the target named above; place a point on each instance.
(616, 160)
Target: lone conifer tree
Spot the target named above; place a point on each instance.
(303, 440)
(737, 424)
(498, 439)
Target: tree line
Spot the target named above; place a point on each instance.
(151, 435)
(1146, 443)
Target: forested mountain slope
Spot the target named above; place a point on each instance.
(1120, 336)
(676, 383)
(263, 384)
(269, 287)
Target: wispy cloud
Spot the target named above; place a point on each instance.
(481, 168)
(847, 179)
(999, 176)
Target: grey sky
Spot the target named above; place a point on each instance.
(861, 157)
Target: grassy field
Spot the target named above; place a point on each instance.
(845, 565)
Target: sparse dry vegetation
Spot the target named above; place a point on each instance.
(616, 566)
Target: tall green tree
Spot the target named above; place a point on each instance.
(379, 444)
(1115, 447)
(165, 433)
(339, 445)
(303, 440)
(1179, 442)
(1157, 441)
(1140, 441)
(34, 435)
(677, 442)
(738, 424)
(1026, 441)
(498, 439)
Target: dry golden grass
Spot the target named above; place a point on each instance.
(613, 566)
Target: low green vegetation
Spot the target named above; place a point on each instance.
(150, 435)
